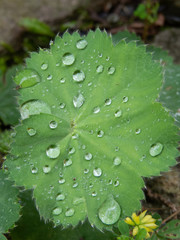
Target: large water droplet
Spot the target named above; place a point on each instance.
(53, 124)
(111, 70)
(97, 172)
(156, 149)
(60, 197)
(68, 59)
(44, 66)
(118, 113)
(110, 211)
(53, 151)
(117, 161)
(34, 170)
(99, 69)
(31, 131)
(96, 110)
(81, 44)
(69, 212)
(108, 102)
(27, 78)
(78, 76)
(100, 134)
(46, 169)
(57, 211)
(67, 162)
(88, 156)
(77, 201)
(78, 101)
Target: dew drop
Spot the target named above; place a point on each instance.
(62, 80)
(31, 131)
(97, 172)
(75, 185)
(72, 150)
(111, 70)
(67, 162)
(125, 99)
(69, 212)
(138, 130)
(53, 151)
(27, 78)
(96, 110)
(62, 180)
(75, 136)
(62, 105)
(110, 211)
(117, 161)
(86, 170)
(49, 77)
(118, 113)
(46, 169)
(68, 59)
(100, 134)
(78, 76)
(78, 201)
(60, 197)
(156, 149)
(57, 211)
(108, 102)
(78, 101)
(34, 170)
(81, 44)
(88, 156)
(94, 194)
(44, 66)
(116, 183)
(53, 124)
(99, 69)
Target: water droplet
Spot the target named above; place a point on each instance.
(96, 110)
(117, 161)
(69, 212)
(27, 78)
(110, 211)
(44, 66)
(75, 136)
(88, 156)
(53, 151)
(67, 162)
(62, 80)
(72, 150)
(111, 70)
(53, 124)
(34, 170)
(81, 44)
(86, 170)
(49, 77)
(100, 134)
(62, 180)
(116, 183)
(125, 99)
(83, 146)
(108, 102)
(97, 172)
(116, 149)
(107, 58)
(100, 55)
(78, 101)
(99, 69)
(77, 201)
(68, 59)
(156, 149)
(57, 211)
(46, 169)
(138, 130)
(75, 185)
(31, 131)
(94, 194)
(62, 105)
(78, 76)
(60, 197)
(118, 113)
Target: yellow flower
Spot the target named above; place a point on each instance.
(141, 221)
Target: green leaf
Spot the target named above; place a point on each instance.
(2, 237)
(31, 226)
(9, 207)
(5, 141)
(8, 104)
(141, 234)
(171, 230)
(123, 227)
(35, 26)
(91, 129)
(127, 36)
(124, 238)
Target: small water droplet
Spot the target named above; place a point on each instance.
(118, 113)
(116, 149)
(78, 101)
(75, 136)
(53, 151)
(57, 211)
(100, 55)
(96, 110)
(72, 150)
(46, 169)
(111, 70)
(68, 59)
(69, 212)
(31, 131)
(116, 183)
(67, 162)
(117, 161)
(81, 44)
(125, 99)
(62, 180)
(27, 78)
(88, 156)
(53, 124)
(97, 172)
(108, 102)
(110, 182)
(83, 146)
(99, 69)
(86, 170)
(60, 197)
(44, 66)
(156, 149)
(78, 76)
(49, 77)
(77, 201)
(107, 58)
(94, 194)
(62, 80)
(75, 185)
(62, 105)
(138, 130)
(100, 134)
(110, 211)
(34, 170)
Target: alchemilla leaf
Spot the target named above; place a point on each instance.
(91, 128)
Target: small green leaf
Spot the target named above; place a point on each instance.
(171, 230)
(35, 26)
(123, 228)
